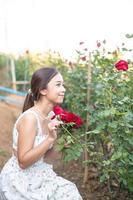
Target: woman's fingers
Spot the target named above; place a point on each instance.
(54, 124)
(51, 115)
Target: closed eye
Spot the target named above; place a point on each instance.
(58, 84)
(61, 84)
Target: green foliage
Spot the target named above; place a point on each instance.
(72, 151)
(111, 119)
(69, 143)
(110, 133)
(76, 85)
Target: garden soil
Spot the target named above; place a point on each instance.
(72, 171)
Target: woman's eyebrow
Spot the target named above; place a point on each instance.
(60, 81)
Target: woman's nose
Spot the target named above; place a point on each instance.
(63, 89)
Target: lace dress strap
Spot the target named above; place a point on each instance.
(38, 121)
(39, 132)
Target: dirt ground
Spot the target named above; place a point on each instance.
(72, 171)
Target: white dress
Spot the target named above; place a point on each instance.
(38, 181)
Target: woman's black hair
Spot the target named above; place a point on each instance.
(39, 81)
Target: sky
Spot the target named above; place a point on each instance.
(59, 25)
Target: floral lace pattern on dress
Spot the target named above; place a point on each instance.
(38, 181)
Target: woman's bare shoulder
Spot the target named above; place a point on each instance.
(27, 118)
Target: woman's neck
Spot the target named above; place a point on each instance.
(44, 109)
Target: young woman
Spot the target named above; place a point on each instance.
(26, 176)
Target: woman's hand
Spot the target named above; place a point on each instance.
(52, 127)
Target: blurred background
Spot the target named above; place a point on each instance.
(41, 25)
(35, 33)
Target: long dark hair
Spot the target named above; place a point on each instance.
(39, 81)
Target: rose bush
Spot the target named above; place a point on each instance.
(110, 136)
(110, 108)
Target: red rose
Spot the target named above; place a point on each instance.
(68, 117)
(122, 65)
(58, 110)
(81, 43)
(75, 119)
(83, 58)
(98, 44)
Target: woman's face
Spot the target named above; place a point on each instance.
(55, 90)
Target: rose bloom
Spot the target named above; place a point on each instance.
(58, 110)
(81, 43)
(68, 117)
(122, 65)
(83, 58)
(98, 44)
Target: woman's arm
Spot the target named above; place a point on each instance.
(27, 153)
(52, 154)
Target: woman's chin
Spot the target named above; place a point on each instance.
(59, 102)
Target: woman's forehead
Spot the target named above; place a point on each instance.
(57, 77)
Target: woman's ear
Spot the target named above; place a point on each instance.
(43, 92)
